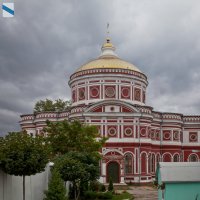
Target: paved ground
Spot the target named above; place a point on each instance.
(143, 192)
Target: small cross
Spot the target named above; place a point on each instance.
(108, 29)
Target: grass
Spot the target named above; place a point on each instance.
(124, 195)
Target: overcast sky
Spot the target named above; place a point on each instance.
(48, 40)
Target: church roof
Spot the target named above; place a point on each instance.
(108, 59)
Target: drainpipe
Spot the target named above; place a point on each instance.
(139, 157)
(163, 194)
(161, 138)
(182, 151)
(163, 190)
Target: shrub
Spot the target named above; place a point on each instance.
(90, 195)
(102, 188)
(97, 195)
(110, 186)
(105, 195)
(94, 186)
(56, 188)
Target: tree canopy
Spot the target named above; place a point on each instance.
(75, 147)
(78, 168)
(49, 105)
(56, 189)
(69, 164)
(23, 155)
(75, 136)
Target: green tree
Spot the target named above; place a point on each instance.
(23, 155)
(110, 186)
(44, 105)
(79, 168)
(71, 169)
(49, 105)
(1, 150)
(102, 188)
(61, 105)
(76, 147)
(56, 189)
(75, 136)
(90, 162)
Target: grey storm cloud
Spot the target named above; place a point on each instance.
(47, 41)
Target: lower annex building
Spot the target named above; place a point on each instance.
(110, 93)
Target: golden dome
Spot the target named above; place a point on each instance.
(113, 63)
(108, 59)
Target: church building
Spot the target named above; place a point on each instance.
(110, 93)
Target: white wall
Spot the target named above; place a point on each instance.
(11, 186)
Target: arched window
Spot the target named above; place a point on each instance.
(149, 163)
(157, 160)
(176, 158)
(128, 163)
(167, 157)
(193, 158)
(153, 162)
(143, 162)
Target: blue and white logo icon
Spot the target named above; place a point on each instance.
(8, 9)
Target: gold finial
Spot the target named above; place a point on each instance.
(108, 43)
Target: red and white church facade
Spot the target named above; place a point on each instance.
(111, 93)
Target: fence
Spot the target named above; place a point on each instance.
(11, 186)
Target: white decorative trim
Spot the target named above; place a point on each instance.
(129, 130)
(143, 134)
(112, 131)
(122, 90)
(107, 150)
(193, 137)
(167, 153)
(167, 138)
(193, 154)
(81, 93)
(94, 88)
(176, 135)
(110, 92)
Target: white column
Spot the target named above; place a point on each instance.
(103, 171)
(121, 174)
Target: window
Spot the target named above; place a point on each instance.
(167, 157)
(157, 160)
(153, 163)
(149, 163)
(193, 158)
(193, 137)
(128, 163)
(143, 162)
(176, 158)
